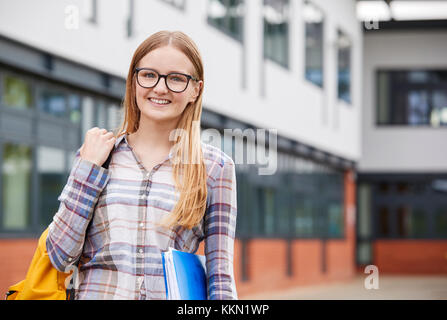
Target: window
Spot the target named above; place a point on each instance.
(313, 19)
(180, 4)
(344, 67)
(16, 182)
(74, 108)
(304, 222)
(17, 92)
(411, 208)
(88, 120)
(412, 98)
(114, 117)
(335, 219)
(227, 16)
(130, 19)
(441, 222)
(384, 225)
(51, 170)
(276, 31)
(411, 222)
(101, 115)
(266, 198)
(53, 102)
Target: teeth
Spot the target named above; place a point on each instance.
(159, 101)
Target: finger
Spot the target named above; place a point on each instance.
(111, 140)
(103, 131)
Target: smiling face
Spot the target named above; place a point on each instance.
(166, 60)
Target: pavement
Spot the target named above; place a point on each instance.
(390, 287)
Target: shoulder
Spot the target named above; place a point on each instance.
(216, 160)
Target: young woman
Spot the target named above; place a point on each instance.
(160, 190)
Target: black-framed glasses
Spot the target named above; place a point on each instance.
(176, 82)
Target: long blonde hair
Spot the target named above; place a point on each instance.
(191, 205)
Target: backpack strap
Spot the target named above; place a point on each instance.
(71, 292)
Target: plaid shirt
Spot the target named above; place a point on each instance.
(106, 222)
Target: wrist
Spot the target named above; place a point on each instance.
(90, 160)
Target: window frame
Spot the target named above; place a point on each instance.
(323, 51)
(210, 22)
(284, 64)
(350, 47)
(426, 86)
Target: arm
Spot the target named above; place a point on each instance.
(78, 199)
(220, 227)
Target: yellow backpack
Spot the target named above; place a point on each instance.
(43, 281)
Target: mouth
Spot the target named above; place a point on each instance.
(159, 102)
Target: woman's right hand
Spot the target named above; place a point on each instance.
(97, 145)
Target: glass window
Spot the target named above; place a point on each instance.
(101, 115)
(384, 224)
(364, 253)
(228, 16)
(276, 31)
(313, 19)
(412, 97)
(304, 224)
(283, 209)
(52, 102)
(411, 222)
(114, 117)
(441, 222)
(418, 223)
(17, 92)
(51, 170)
(87, 115)
(16, 180)
(74, 107)
(344, 67)
(269, 211)
(364, 213)
(403, 220)
(335, 217)
(438, 112)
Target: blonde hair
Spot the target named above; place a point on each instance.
(191, 205)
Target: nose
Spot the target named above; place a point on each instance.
(161, 86)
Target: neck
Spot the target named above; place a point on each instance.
(152, 135)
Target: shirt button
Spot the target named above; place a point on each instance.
(140, 251)
(70, 259)
(148, 175)
(141, 224)
(143, 197)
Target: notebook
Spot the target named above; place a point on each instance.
(185, 275)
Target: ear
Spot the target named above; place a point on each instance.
(196, 91)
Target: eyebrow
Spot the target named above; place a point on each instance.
(172, 71)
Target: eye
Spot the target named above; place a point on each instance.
(148, 74)
(178, 78)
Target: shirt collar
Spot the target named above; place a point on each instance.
(124, 137)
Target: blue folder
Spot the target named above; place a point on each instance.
(185, 275)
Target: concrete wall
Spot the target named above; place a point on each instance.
(401, 148)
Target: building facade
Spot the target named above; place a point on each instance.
(292, 66)
(402, 199)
